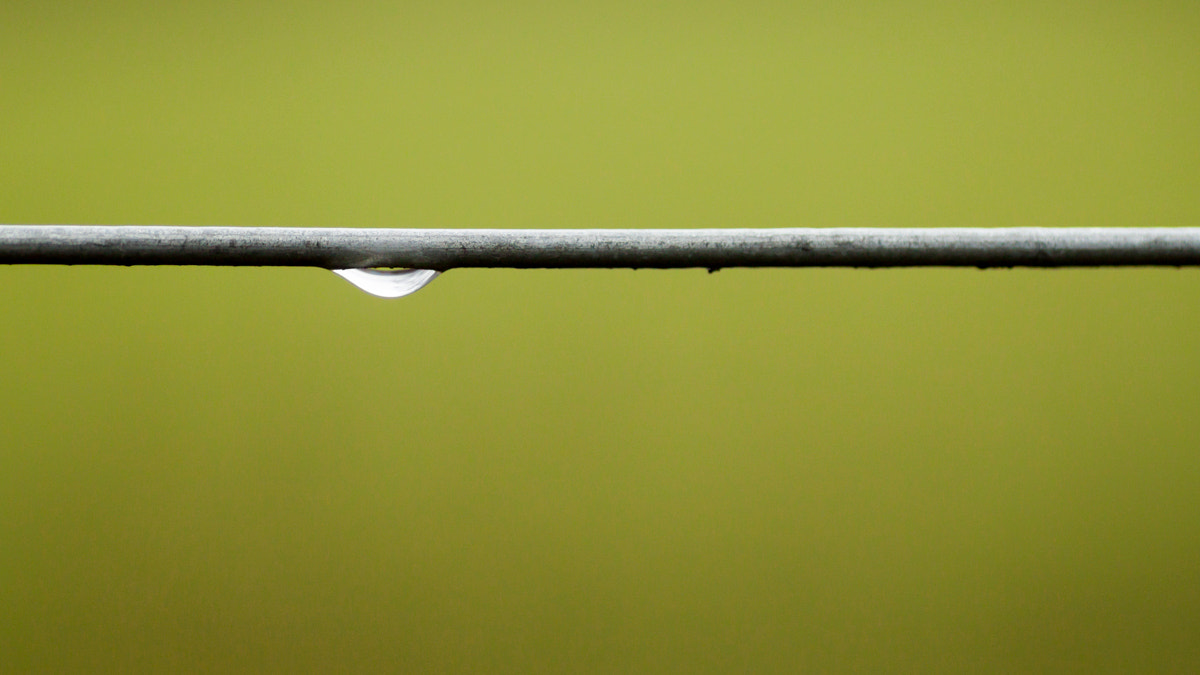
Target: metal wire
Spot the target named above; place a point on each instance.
(341, 248)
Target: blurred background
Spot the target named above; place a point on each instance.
(254, 470)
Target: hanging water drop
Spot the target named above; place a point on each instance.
(388, 283)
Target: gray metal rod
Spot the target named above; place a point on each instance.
(342, 248)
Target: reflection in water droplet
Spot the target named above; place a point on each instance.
(388, 283)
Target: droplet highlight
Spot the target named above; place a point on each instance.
(388, 283)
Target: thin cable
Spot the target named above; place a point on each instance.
(342, 248)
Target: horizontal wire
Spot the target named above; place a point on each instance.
(343, 248)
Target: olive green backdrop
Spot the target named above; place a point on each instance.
(255, 470)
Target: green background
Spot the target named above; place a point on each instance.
(206, 469)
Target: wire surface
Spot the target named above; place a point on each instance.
(341, 248)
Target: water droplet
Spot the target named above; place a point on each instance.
(388, 283)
